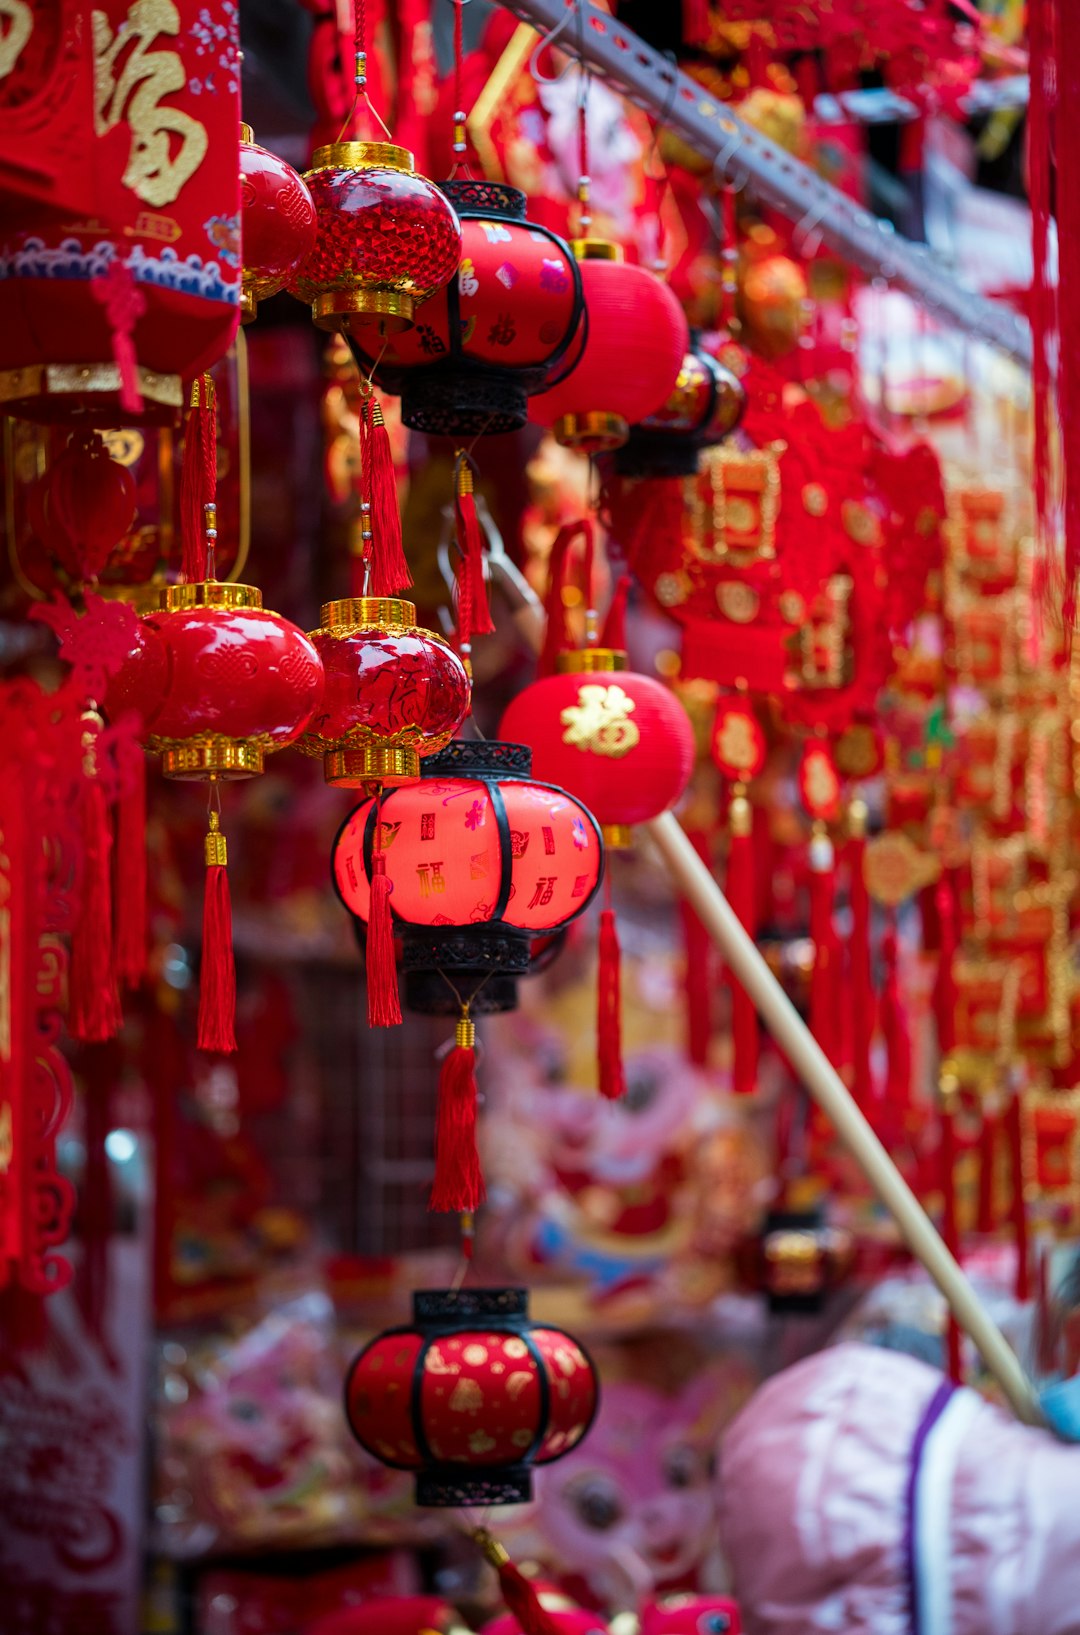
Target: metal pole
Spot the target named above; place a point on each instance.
(741, 155)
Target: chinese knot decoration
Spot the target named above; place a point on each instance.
(471, 1396)
(498, 331)
(277, 222)
(387, 239)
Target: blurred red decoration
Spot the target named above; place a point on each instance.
(481, 860)
(499, 329)
(637, 339)
(705, 405)
(104, 315)
(620, 741)
(277, 224)
(387, 238)
(218, 681)
(88, 500)
(471, 1396)
(394, 693)
(737, 745)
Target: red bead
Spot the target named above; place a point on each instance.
(277, 224)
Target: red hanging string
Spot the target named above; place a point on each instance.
(473, 609)
(742, 896)
(897, 1039)
(697, 954)
(859, 973)
(825, 976)
(384, 1001)
(612, 1079)
(198, 481)
(217, 972)
(945, 982)
(93, 1001)
(614, 631)
(557, 637)
(521, 1597)
(458, 1187)
(387, 570)
(986, 1213)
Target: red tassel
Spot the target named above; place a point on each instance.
(1068, 220)
(614, 632)
(217, 978)
(895, 1029)
(1042, 72)
(697, 980)
(739, 887)
(557, 638)
(1022, 1288)
(389, 571)
(94, 1005)
(521, 1597)
(458, 1187)
(986, 1214)
(859, 974)
(198, 479)
(949, 1229)
(824, 981)
(945, 983)
(609, 1010)
(129, 880)
(473, 611)
(383, 1000)
(696, 28)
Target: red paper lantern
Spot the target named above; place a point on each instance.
(471, 1396)
(637, 339)
(218, 681)
(142, 288)
(277, 223)
(618, 740)
(481, 860)
(497, 332)
(394, 693)
(704, 407)
(387, 238)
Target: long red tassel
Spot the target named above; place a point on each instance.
(384, 1001)
(557, 638)
(1042, 97)
(697, 952)
(1019, 1205)
(741, 894)
(94, 1005)
(129, 880)
(458, 1187)
(1068, 220)
(859, 972)
(824, 980)
(950, 1229)
(897, 1038)
(986, 1213)
(100, 1071)
(473, 610)
(217, 977)
(945, 982)
(198, 478)
(609, 1010)
(520, 1596)
(389, 571)
(695, 22)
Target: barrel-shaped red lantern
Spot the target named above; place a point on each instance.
(620, 741)
(637, 339)
(482, 859)
(277, 224)
(142, 287)
(218, 681)
(394, 693)
(386, 239)
(497, 332)
(471, 1396)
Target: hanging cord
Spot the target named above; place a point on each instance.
(653, 159)
(360, 74)
(461, 145)
(584, 184)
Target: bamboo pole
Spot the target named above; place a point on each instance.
(823, 1082)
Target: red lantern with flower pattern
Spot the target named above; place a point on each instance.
(498, 331)
(394, 693)
(471, 1396)
(387, 238)
(610, 389)
(277, 223)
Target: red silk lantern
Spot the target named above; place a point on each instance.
(387, 238)
(219, 681)
(471, 1396)
(277, 224)
(481, 860)
(618, 740)
(705, 405)
(101, 316)
(394, 693)
(637, 339)
(499, 329)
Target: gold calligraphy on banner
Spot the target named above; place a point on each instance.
(16, 27)
(155, 173)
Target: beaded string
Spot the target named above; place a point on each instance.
(360, 93)
(460, 142)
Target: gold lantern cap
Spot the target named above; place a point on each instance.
(361, 156)
(593, 661)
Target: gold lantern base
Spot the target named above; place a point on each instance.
(593, 433)
(199, 760)
(363, 311)
(618, 837)
(90, 391)
(386, 765)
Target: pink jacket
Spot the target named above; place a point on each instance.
(861, 1495)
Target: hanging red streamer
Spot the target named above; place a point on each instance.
(1041, 110)
(521, 1597)
(388, 571)
(384, 1001)
(609, 1009)
(860, 978)
(93, 1003)
(473, 610)
(217, 972)
(825, 978)
(697, 954)
(458, 1187)
(986, 1211)
(741, 894)
(1068, 220)
(198, 478)
(557, 636)
(894, 1027)
(945, 982)
(129, 878)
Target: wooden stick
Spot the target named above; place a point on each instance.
(697, 885)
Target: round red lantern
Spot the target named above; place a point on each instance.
(386, 239)
(277, 223)
(637, 339)
(620, 741)
(481, 860)
(219, 681)
(394, 693)
(498, 331)
(471, 1396)
(706, 404)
